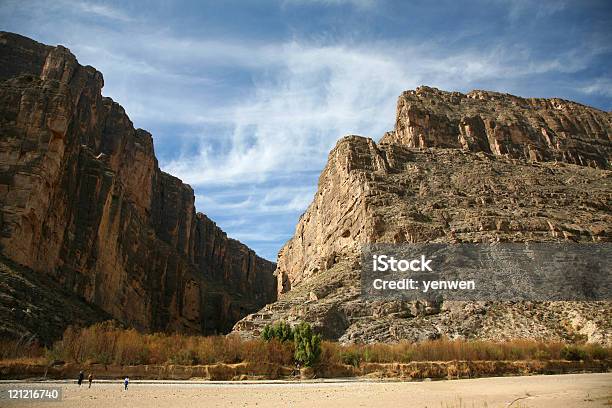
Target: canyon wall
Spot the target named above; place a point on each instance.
(440, 177)
(82, 199)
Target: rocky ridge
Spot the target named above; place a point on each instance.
(535, 129)
(441, 177)
(82, 200)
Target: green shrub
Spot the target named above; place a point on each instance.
(573, 353)
(351, 357)
(598, 352)
(280, 331)
(307, 345)
(541, 355)
(266, 333)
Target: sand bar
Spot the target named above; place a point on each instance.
(573, 390)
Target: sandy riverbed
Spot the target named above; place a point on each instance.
(575, 390)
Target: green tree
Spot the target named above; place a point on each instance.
(573, 353)
(307, 344)
(280, 331)
(266, 333)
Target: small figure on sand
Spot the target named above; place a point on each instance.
(126, 382)
(90, 378)
(81, 376)
(296, 370)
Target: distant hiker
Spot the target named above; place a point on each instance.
(90, 378)
(126, 382)
(81, 376)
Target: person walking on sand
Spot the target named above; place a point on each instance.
(81, 376)
(126, 382)
(90, 378)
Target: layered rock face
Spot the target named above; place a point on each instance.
(502, 124)
(82, 199)
(394, 192)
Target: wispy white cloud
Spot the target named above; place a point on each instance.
(292, 119)
(598, 86)
(275, 199)
(360, 4)
(59, 12)
(319, 93)
(98, 9)
(543, 8)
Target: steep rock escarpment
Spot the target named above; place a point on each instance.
(394, 192)
(501, 124)
(82, 200)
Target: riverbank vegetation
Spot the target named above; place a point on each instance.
(107, 343)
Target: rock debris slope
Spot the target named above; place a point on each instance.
(83, 201)
(481, 167)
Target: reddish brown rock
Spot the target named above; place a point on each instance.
(83, 200)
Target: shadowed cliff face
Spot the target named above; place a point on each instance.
(83, 200)
(438, 178)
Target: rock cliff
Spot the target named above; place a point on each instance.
(501, 124)
(482, 167)
(83, 201)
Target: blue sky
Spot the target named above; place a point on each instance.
(246, 98)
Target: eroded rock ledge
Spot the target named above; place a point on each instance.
(537, 129)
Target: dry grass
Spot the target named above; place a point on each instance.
(109, 344)
(17, 350)
(450, 350)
